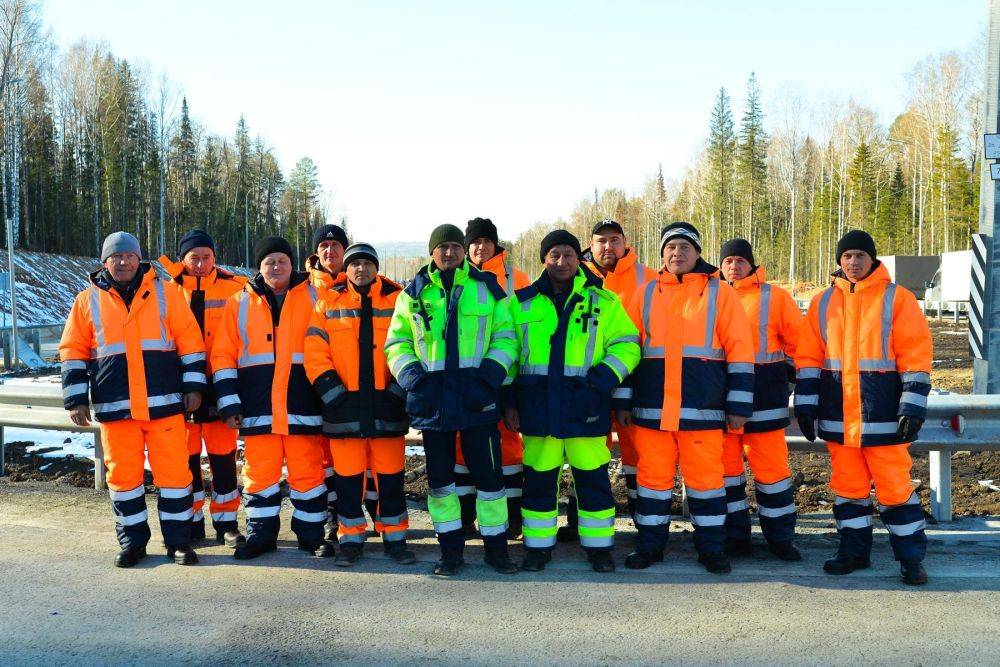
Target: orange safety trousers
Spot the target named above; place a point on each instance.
(126, 442)
(854, 469)
(220, 443)
(264, 455)
(379, 462)
(767, 454)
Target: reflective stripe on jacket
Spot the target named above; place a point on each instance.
(259, 363)
(138, 361)
(207, 298)
(697, 353)
(775, 322)
(450, 349)
(360, 398)
(571, 360)
(864, 360)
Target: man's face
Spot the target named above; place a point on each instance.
(361, 272)
(199, 262)
(331, 256)
(482, 250)
(448, 255)
(561, 263)
(607, 246)
(679, 256)
(122, 266)
(857, 264)
(277, 270)
(735, 268)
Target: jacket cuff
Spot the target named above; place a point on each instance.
(602, 378)
(410, 375)
(330, 389)
(492, 372)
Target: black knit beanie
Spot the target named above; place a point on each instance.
(737, 248)
(196, 238)
(559, 237)
(681, 230)
(855, 240)
(481, 228)
(270, 244)
(329, 233)
(445, 234)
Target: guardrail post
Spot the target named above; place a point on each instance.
(940, 467)
(100, 482)
(5, 338)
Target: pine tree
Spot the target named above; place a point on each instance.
(721, 155)
(751, 162)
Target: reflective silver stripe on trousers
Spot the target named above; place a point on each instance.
(309, 517)
(262, 512)
(176, 516)
(774, 512)
(705, 495)
(652, 519)
(175, 493)
(119, 496)
(317, 490)
(737, 506)
(776, 487)
(907, 528)
(808, 373)
(856, 522)
(132, 519)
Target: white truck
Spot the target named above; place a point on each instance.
(950, 287)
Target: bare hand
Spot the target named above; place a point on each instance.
(735, 422)
(233, 422)
(192, 401)
(511, 419)
(623, 417)
(80, 415)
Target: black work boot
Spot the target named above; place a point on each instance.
(785, 550)
(535, 560)
(349, 554)
(184, 555)
(398, 552)
(231, 537)
(129, 556)
(330, 530)
(601, 561)
(640, 560)
(845, 564)
(912, 572)
(498, 558)
(449, 565)
(739, 548)
(715, 562)
(324, 549)
(250, 550)
(197, 530)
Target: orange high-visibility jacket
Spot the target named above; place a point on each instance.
(320, 278)
(258, 360)
(508, 277)
(628, 276)
(138, 360)
(360, 397)
(207, 298)
(864, 360)
(697, 354)
(775, 322)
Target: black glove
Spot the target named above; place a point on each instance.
(808, 427)
(908, 428)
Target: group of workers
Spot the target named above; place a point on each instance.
(322, 373)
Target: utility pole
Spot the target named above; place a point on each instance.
(986, 371)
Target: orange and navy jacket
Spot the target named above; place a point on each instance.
(138, 360)
(626, 278)
(207, 298)
(509, 278)
(345, 361)
(697, 354)
(258, 360)
(864, 360)
(320, 278)
(775, 322)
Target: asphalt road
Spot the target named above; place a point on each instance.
(63, 602)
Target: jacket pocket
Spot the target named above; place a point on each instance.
(425, 398)
(583, 404)
(477, 396)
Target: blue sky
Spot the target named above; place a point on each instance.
(419, 113)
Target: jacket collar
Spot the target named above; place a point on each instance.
(753, 281)
(497, 264)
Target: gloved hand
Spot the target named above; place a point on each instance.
(908, 428)
(808, 427)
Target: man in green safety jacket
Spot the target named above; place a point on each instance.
(577, 345)
(449, 345)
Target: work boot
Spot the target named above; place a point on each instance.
(571, 531)
(197, 530)
(324, 549)
(640, 560)
(231, 538)
(249, 550)
(330, 530)
(785, 550)
(349, 554)
(399, 553)
(469, 529)
(515, 530)
(534, 560)
(912, 572)
(184, 555)
(845, 564)
(601, 561)
(448, 566)
(130, 556)
(716, 563)
(500, 560)
(739, 548)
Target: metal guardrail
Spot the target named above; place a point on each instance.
(954, 423)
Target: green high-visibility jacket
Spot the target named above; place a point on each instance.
(450, 349)
(570, 360)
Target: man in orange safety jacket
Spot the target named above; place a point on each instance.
(262, 388)
(775, 322)
(864, 373)
(695, 378)
(133, 345)
(205, 288)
